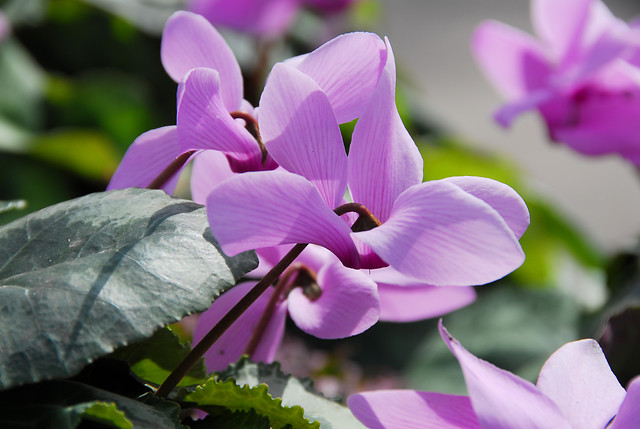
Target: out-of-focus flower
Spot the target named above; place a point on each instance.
(266, 18)
(575, 390)
(5, 26)
(582, 74)
(458, 231)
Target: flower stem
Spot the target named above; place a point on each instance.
(232, 315)
(171, 169)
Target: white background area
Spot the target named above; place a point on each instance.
(431, 38)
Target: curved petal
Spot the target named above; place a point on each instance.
(268, 208)
(231, 345)
(507, 113)
(258, 17)
(383, 159)
(411, 409)
(629, 413)
(301, 133)
(512, 60)
(205, 123)
(210, 168)
(561, 25)
(443, 236)
(501, 197)
(578, 379)
(403, 299)
(347, 69)
(188, 42)
(146, 158)
(500, 399)
(347, 306)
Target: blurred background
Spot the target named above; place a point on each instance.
(80, 80)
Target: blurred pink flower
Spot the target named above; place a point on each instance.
(582, 74)
(5, 26)
(575, 390)
(267, 18)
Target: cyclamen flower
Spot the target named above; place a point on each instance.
(582, 74)
(575, 390)
(267, 18)
(210, 97)
(458, 231)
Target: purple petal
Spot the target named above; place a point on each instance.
(443, 236)
(561, 25)
(347, 69)
(500, 399)
(507, 113)
(347, 306)
(603, 122)
(501, 197)
(629, 414)
(210, 168)
(383, 159)
(301, 133)
(578, 379)
(258, 17)
(512, 60)
(411, 409)
(403, 299)
(146, 158)
(205, 123)
(231, 345)
(262, 209)
(189, 42)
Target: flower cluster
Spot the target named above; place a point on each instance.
(581, 74)
(575, 389)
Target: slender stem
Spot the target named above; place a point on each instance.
(232, 315)
(171, 169)
(252, 126)
(281, 288)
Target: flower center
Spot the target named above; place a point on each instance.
(302, 276)
(366, 220)
(251, 125)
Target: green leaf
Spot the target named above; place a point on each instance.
(226, 419)
(83, 277)
(63, 404)
(87, 153)
(293, 392)
(103, 412)
(153, 359)
(514, 329)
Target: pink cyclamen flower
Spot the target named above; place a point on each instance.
(582, 75)
(458, 231)
(210, 97)
(266, 18)
(575, 390)
(323, 297)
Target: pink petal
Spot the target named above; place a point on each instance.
(210, 168)
(188, 42)
(501, 197)
(500, 399)
(231, 345)
(347, 69)
(348, 304)
(383, 159)
(403, 299)
(205, 123)
(411, 409)
(301, 133)
(629, 414)
(561, 25)
(578, 379)
(146, 158)
(507, 113)
(268, 208)
(603, 122)
(512, 60)
(443, 236)
(259, 17)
